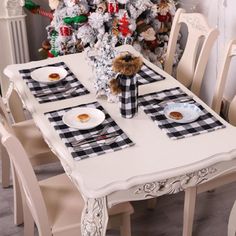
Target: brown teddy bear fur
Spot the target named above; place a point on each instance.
(127, 64)
(114, 86)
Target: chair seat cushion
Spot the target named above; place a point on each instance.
(65, 203)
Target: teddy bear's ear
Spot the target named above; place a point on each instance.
(114, 86)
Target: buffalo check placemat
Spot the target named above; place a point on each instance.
(205, 123)
(147, 75)
(69, 135)
(52, 89)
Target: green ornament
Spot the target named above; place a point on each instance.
(54, 33)
(30, 5)
(55, 53)
(75, 19)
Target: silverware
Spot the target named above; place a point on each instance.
(66, 89)
(58, 88)
(93, 144)
(96, 139)
(97, 134)
(70, 91)
(160, 102)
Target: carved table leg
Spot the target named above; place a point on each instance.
(94, 217)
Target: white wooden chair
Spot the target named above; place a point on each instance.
(191, 193)
(221, 82)
(191, 67)
(16, 108)
(37, 150)
(54, 204)
(232, 221)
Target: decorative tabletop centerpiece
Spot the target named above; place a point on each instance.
(125, 84)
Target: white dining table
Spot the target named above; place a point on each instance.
(154, 166)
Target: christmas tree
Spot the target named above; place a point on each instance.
(101, 62)
(104, 24)
(76, 24)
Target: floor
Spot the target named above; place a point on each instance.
(211, 217)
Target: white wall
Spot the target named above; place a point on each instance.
(221, 14)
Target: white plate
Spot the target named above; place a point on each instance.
(41, 74)
(190, 112)
(96, 118)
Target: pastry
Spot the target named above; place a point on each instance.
(175, 115)
(83, 117)
(54, 76)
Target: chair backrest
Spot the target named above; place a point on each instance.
(221, 82)
(191, 67)
(232, 112)
(4, 115)
(16, 107)
(26, 175)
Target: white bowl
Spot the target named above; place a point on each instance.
(190, 112)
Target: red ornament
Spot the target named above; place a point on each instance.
(112, 7)
(65, 30)
(50, 55)
(152, 45)
(124, 26)
(164, 18)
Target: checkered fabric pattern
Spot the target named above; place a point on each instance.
(147, 75)
(128, 97)
(69, 135)
(205, 123)
(36, 87)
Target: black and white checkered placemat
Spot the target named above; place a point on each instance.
(68, 135)
(36, 87)
(205, 123)
(147, 75)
